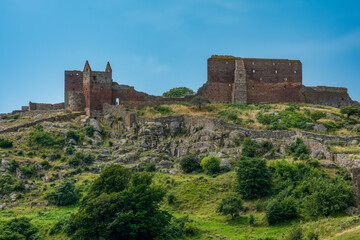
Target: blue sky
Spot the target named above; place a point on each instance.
(157, 45)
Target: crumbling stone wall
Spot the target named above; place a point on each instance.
(328, 96)
(74, 93)
(45, 106)
(273, 80)
(130, 98)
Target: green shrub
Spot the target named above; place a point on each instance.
(71, 134)
(5, 143)
(171, 198)
(119, 204)
(19, 229)
(284, 120)
(6, 184)
(253, 178)
(64, 194)
(69, 150)
(231, 204)
(326, 197)
(74, 161)
(250, 148)
(88, 159)
(281, 209)
(251, 219)
(317, 115)
(295, 233)
(40, 138)
(13, 165)
(350, 111)
(28, 170)
(178, 92)
(89, 130)
(210, 165)
(45, 164)
(298, 148)
(190, 164)
(162, 109)
(180, 228)
(200, 101)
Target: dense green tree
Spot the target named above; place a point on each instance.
(5, 143)
(210, 165)
(249, 148)
(230, 204)
(64, 194)
(190, 163)
(17, 229)
(281, 209)
(178, 92)
(121, 205)
(350, 111)
(253, 178)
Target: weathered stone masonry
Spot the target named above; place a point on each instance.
(230, 80)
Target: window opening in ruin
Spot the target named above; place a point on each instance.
(276, 71)
(229, 85)
(226, 62)
(294, 71)
(261, 79)
(285, 79)
(253, 70)
(289, 63)
(101, 88)
(117, 101)
(94, 77)
(73, 89)
(71, 74)
(284, 87)
(272, 89)
(273, 64)
(253, 88)
(253, 63)
(77, 74)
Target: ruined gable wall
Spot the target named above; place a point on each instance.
(328, 96)
(74, 94)
(221, 72)
(273, 80)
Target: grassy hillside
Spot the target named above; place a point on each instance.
(41, 158)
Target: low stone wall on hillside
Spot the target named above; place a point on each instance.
(65, 117)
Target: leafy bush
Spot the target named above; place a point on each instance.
(28, 170)
(230, 204)
(69, 150)
(171, 198)
(5, 143)
(190, 163)
(121, 205)
(88, 159)
(19, 229)
(40, 138)
(210, 165)
(200, 101)
(284, 120)
(71, 134)
(13, 165)
(249, 148)
(326, 197)
(45, 164)
(298, 148)
(6, 184)
(350, 111)
(89, 130)
(178, 92)
(162, 109)
(64, 194)
(317, 115)
(74, 161)
(295, 233)
(180, 228)
(253, 178)
(281, 209)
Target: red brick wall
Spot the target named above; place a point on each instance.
(100, 83)
(73, 83)
(273, 80)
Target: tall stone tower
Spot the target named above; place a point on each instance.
(97, 88)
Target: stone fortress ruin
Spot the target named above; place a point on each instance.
(230, 80)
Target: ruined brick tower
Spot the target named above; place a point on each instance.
(253, 80)
(88, 90)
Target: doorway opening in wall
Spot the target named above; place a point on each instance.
(117, 101)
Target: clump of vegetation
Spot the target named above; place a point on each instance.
(161, 109)
(71, 134)
(19, 229)
(64, 194)
(253, 178)
(299, 149)
(200, 101)
(284, 120)
(39, 138)
(350, 111)
(178, 92)
(250, 148)
(281, 208)
(190, 163)
(89, 131)
(231, 204)
(118, 203)
(317, 115)
(5, 143)
(210, 165)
